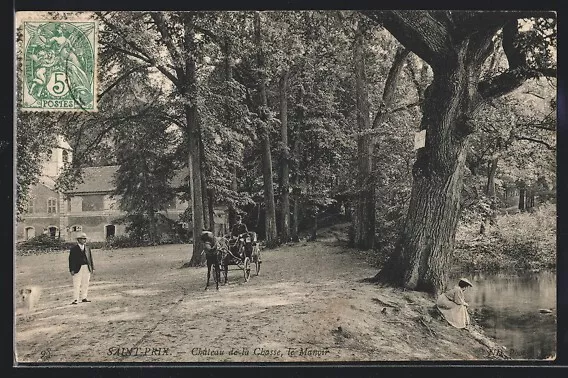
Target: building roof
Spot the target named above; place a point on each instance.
(96, 180)
(48, 182)
(101, 180)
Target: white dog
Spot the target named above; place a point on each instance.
(28, 297)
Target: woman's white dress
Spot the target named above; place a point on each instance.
(452, 305)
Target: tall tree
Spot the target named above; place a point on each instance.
(455, 45)
(263, 111)
(167, 42)
(285, 163)
(364, 222)
(143, 177)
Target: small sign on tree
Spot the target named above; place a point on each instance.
(420, 139)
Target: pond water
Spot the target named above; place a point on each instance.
(507, 307)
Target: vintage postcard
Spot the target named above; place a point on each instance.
(285, 186)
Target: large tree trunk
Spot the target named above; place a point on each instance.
(196, 195)
(234, 188)
(285, 176)
(188, 88)
(531, 196)
(491, 171)
(364, 220)
(421, 259)
(270, 218)
(296, 158)
(211, 209)
(456, 48)
(204, 190)
(315, 225)
(522, 198)
(227, 47)
(489, 219)
(295, 218)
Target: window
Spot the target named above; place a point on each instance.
(52, 231)
(94, 202)
(65, 157)
(110, 231)
(76, 228)
(51, 206)
(30, 206)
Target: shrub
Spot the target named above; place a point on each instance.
(122, 241)
(96, 245)
(129, 241)
(530, 239)
(41, 242)
(519, 241)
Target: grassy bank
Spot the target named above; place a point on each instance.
(518, 242)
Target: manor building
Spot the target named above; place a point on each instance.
(90, 207)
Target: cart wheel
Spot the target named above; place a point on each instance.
(247, 268)
(257, 261)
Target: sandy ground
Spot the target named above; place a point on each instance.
(308, 305)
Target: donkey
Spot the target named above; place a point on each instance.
(213, 249)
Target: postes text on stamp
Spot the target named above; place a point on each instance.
(59, 66)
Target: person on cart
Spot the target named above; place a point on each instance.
(238, 229)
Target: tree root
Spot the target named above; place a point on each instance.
(494, 349)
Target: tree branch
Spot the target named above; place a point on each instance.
(418, 31)
(391, 83)
(538, 126)
(405, 107)
(139, 52)
(122, 77)
(413, 78)
(173, 120)
(471, 21)
(534, 94)
(176, 55)
(548, 146)
(394, 75)
(519, 70)
(132, 54)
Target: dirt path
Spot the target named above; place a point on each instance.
(308, 304)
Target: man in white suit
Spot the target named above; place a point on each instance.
(81, 266)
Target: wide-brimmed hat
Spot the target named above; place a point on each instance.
(466, 281)
(82, 235)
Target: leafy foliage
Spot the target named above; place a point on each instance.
(517, 242)
(147, 166)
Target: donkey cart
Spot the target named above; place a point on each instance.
(241, 252)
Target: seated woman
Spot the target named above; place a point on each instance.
(453, 306)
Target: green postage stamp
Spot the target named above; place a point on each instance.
(59, 66)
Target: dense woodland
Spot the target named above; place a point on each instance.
(288, 117)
